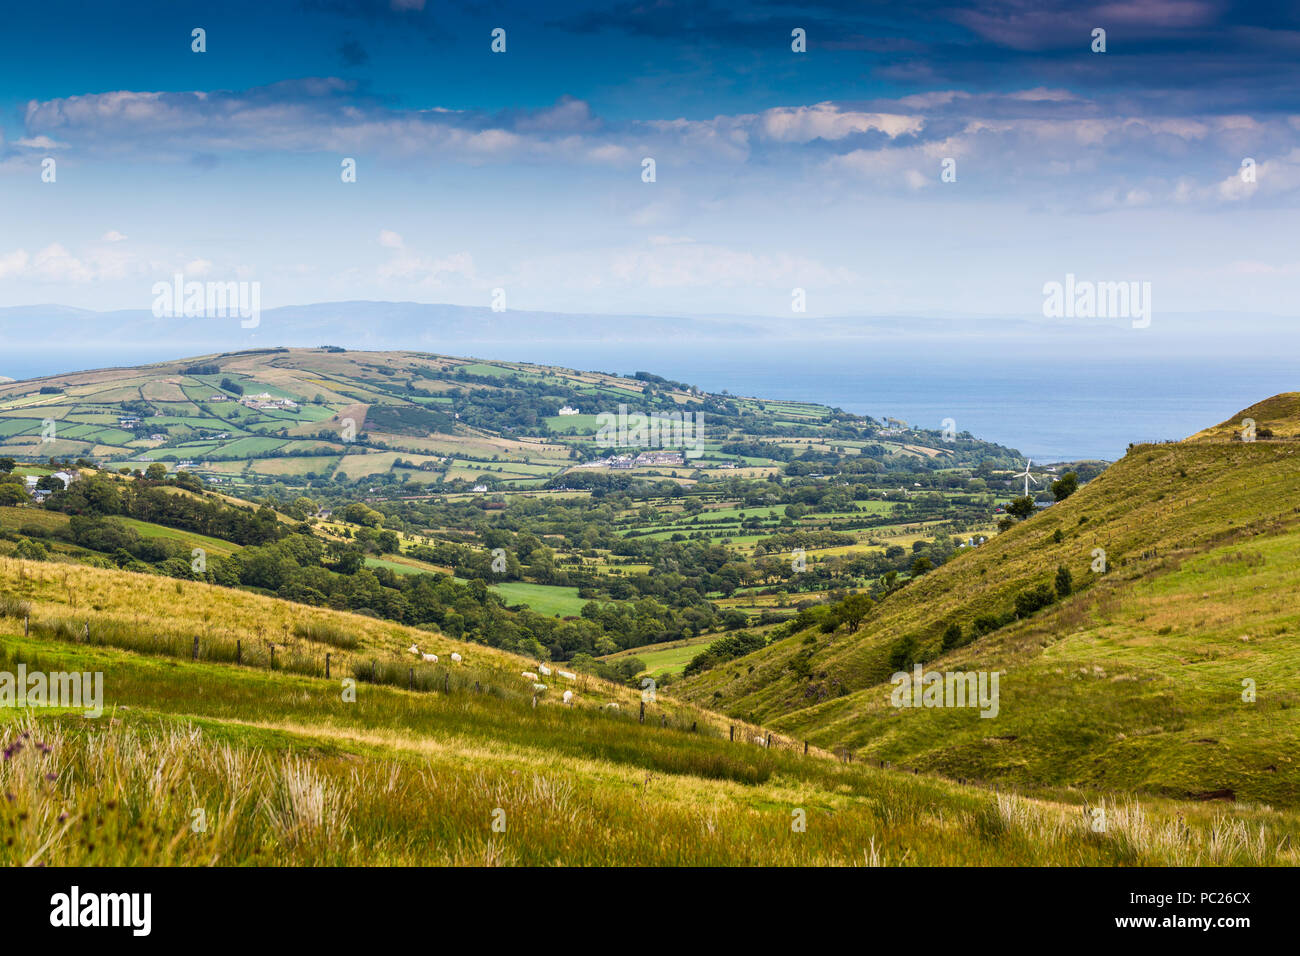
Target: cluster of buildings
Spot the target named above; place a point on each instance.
(643, 460)
(266, 401)
(40, 494)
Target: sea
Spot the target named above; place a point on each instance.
(1048, 406)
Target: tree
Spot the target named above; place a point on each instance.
(156, 472)
(1021, 507)
(7, 465)
(921, 565)
(1065, 486)
(951, 636)
(903, 654)
(1064, 583)
(854, 609)
(11, 494)
(357, 513)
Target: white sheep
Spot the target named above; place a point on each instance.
(413, 649)
(528, 675)
(456, 658)
(546, 671)
(759, 741)
(568, 696)
(431, 658)
(567, 675)
(539, 687)
(611, 706)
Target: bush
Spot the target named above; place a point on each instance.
(724, 649)
(1064, 582)
(952, 636)
(903, 654)
(31, 550)
(1034, 599)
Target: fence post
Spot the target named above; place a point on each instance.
(733, 733)
(477, 688)
(641, 719)
(769, 742)
(446, 684)
(272, 655)
(663, 720)
(86, 636)
(239, 651)
(693, 726)
(805, 748)
(27, 625)
(195, 655)
(327, 664)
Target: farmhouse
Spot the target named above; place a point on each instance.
(569, 410)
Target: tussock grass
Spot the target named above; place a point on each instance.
(323, 632)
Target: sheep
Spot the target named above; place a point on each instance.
(539, 687)
(568, 696)
(759, 741)
(431, 658)
(413, 649)
(546, 671)
(567, 675)
(611, 706)
(456, 658)
(528, 675)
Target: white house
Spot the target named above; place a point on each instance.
(569, 410)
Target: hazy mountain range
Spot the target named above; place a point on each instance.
(413, 325)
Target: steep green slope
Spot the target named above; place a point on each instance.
(1132, 682)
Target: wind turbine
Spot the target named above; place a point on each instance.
(1027, 476)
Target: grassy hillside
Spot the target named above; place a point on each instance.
(1134, 681)
(294, 415)
(209, 762)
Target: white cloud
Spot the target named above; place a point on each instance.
(40, 142)
(113, 236)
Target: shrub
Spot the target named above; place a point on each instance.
(952, 636)
(31, 550)
(1034, 599)
(903, 654)
(1064, 582)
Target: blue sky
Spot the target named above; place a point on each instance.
(775, 169)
